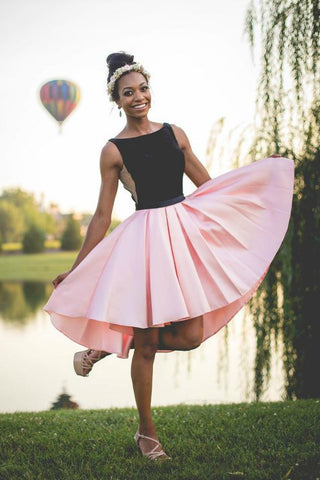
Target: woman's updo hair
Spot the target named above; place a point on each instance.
(115, 61)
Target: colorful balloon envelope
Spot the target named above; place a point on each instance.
(60, 98)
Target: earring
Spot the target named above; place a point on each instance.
(120, 114)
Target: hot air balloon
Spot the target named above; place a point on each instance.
(59, 97)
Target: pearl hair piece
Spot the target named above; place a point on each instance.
(136, 67)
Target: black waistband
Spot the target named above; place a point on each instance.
(159, 203)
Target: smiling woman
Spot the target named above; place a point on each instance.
(180, 267)
(135, 93)
(130, 82)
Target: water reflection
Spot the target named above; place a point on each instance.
(38, 362)
(19, 301)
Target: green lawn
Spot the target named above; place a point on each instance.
(252, 441)
(37, 266)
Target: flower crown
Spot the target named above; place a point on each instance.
(136, 67)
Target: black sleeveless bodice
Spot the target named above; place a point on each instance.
(156, 164)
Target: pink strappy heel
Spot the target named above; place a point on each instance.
(82, 362)
(153, 455)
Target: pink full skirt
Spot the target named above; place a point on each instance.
(206, 255)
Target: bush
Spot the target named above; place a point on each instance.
(71, 238)
(33, 240)
(64, 401)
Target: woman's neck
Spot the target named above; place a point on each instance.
(138, 126)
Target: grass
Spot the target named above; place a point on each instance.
(37, 266)
(252, 441)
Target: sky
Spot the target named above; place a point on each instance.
(201, 70)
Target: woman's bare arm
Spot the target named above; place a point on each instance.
(194, 169)
(110, 163)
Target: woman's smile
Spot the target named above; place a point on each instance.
(140, 106)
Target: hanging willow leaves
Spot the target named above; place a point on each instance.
(286, 37)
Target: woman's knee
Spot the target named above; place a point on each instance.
(146, 341)
(191, 331)
(191, 339)
(147, 351)
(193, 342)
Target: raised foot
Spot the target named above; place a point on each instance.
(156, 454)
(84, 361)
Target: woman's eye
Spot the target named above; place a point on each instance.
(128, 93)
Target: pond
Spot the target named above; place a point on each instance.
(37, 364)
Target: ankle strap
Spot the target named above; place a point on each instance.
(139, 435)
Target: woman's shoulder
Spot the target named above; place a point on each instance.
(180, 135)
(177, 129)
(110, 155)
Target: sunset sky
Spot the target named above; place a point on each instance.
(201, 69)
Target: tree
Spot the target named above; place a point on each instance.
(71, 238)
(33, 240)
(11, 222)
(26, 204)
(18, 211)
(288, 122)
(64, 401)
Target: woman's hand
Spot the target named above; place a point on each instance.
(59, 278)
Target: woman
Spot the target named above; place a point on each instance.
(179, 268)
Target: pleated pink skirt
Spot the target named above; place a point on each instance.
(205, 255)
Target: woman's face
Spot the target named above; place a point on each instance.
(134, 94)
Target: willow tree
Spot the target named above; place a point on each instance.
(285, 35)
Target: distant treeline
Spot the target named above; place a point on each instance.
(26, 221)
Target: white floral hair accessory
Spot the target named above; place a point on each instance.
(136, 67)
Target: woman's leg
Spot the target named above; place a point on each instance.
(146, 345)
(183, 335)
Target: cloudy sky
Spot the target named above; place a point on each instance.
(200, 64)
